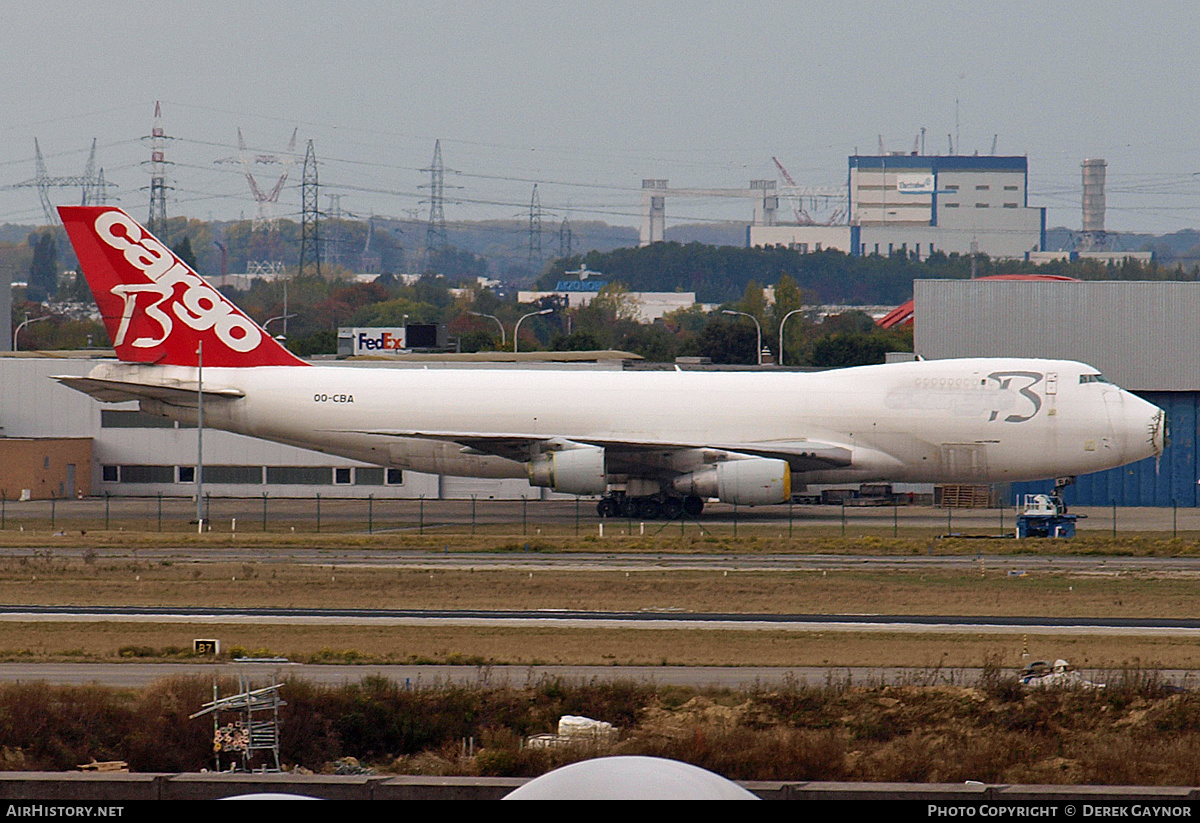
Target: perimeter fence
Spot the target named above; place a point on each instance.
(559, 518)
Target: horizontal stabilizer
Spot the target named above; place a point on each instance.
(119, 391)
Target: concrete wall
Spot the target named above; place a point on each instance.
(1003, 234)
(806, 239)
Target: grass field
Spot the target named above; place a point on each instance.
(1134, 732)
(657, 538)
(969, 591)
(551, 646)
(46, 579)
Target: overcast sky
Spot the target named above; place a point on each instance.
(587, 98)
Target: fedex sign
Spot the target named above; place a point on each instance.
(371, 341)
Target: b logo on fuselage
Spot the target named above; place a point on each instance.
(1026, 380)
(1008, 393)
(199, 306)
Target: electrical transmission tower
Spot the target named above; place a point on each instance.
(94, 190)
(310, 243)
(158, 177)
(100, 190)
(565, 241)
(333, 244)
(265, 200)
(535, 231)
(435, 232)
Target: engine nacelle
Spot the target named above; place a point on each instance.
(573, 471)
(755, 481)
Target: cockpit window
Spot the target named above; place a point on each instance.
(1092, 378)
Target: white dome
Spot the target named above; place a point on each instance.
(630, 778)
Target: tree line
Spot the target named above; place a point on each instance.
(726, 277)
(721, 273)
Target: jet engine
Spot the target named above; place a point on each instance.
(755, 481)
(573, 471)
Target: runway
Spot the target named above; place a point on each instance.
(649, 619)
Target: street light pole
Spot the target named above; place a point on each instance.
(26, 322)
(284, 318)
(517, 328)
(758, 328)
(781, 322)
(200, 437)
(503, 339)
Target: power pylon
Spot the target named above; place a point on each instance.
(333, 245)
(535, 230)
(93, 189)
(158, 177)
(265, 200)
(100, 191)
(310, 242)
(435, 231)
(566, 242)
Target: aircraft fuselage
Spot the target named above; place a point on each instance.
(971, 420)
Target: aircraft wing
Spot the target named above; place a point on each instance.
(117, 391)
(801, 455)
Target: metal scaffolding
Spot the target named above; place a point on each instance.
(253, 727)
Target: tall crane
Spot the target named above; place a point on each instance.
(803, 218)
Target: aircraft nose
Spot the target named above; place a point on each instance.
(1158, 427)
(1140, 427)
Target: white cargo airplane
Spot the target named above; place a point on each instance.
(647, 442)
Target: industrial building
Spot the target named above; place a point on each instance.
(643, 306)
(918, 205)
(57, 442)
(1143, 336)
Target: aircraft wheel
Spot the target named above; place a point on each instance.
(693, 505)
(672, 507)
(645, 508)
(607, 507)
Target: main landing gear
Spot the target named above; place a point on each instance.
(653, 507)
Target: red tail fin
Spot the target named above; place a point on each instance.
(156, 309)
